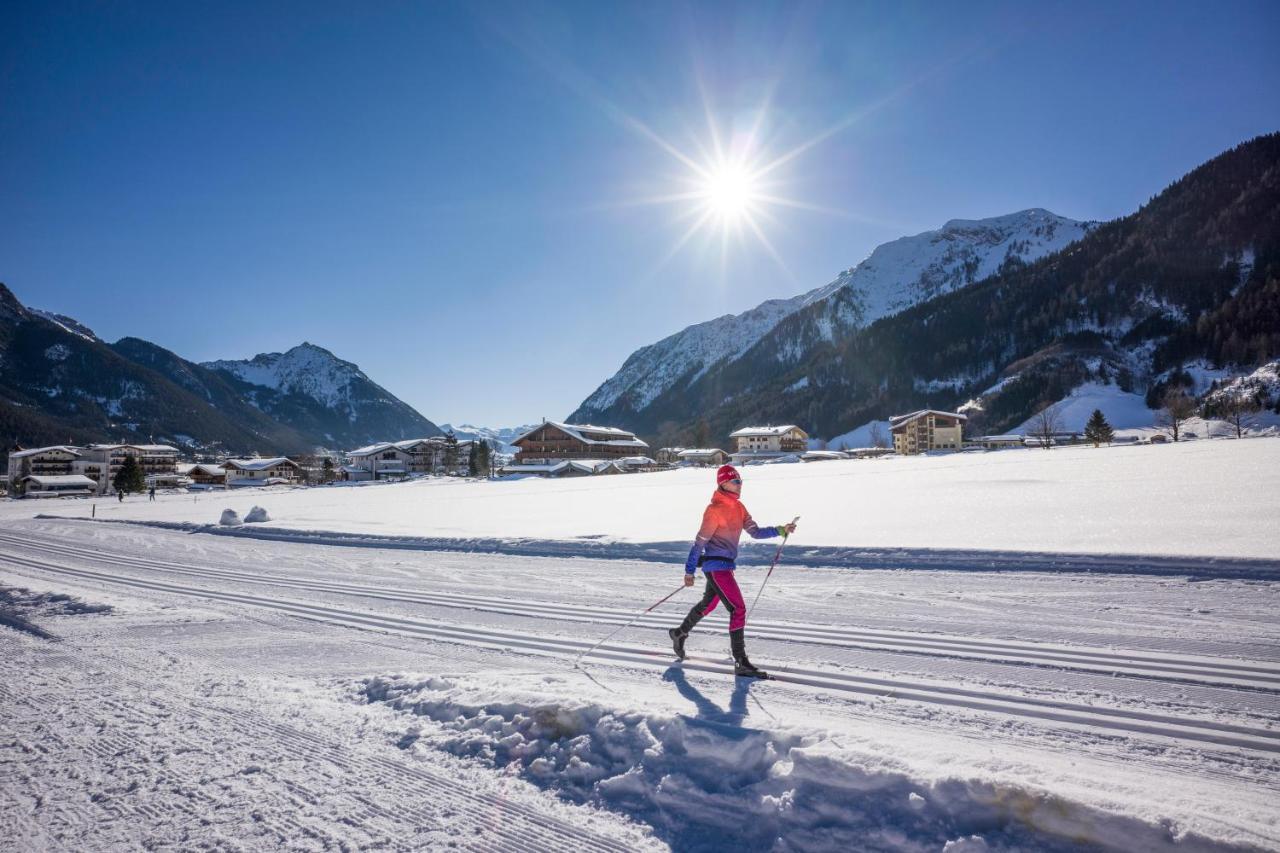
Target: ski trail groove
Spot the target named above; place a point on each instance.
(1129, 721)
(1195, 669)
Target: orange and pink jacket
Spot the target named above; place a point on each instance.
(716, 547)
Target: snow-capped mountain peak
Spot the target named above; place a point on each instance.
(306, 369)
(895, 276)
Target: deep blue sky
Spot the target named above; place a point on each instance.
(445, 194)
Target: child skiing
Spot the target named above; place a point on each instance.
(714, 551)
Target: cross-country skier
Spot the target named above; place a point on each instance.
(714, 550)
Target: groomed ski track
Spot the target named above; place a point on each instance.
(41, 554)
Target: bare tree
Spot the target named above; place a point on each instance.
(1239, 410)
(1176, 408)
(878, 439)
(1046, 424)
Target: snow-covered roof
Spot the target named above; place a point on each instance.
(1000, 438)
(763, 431)
(895, 420)
(145, 448)
(257, 464)
(209, 470)
(405, 445)
(534, 469)
(47, 480)
(636, 460)
(36, 451)
(370, 449)
(618, 437)
(700, 451)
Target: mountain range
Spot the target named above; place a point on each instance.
(1001, 316)
(59, 382)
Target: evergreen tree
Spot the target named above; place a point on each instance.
(1098, 430)
(484, 457)
(129, 478)
(450, 453)
(473, 459)
(326, 469)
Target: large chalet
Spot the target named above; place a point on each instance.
(927, 429)
(551, 442)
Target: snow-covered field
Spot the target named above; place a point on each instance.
(1203, 499)
(392, 665)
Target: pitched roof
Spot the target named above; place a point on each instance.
(35, 451)
(700, 451)
(620, 437)
(146, 448)
(763, 431)
(257, 464)
(901, 419)
(61, 480)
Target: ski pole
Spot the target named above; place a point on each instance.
(772, 566)
(651, 607)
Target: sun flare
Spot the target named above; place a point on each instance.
(729, 191)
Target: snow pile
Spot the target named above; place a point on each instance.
(230, 518)
(256, 515)
(711, 782)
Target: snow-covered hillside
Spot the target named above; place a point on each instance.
(895, 276)
(500, 438)
(306, 369)
(311, 388)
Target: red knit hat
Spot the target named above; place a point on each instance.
(726, 472)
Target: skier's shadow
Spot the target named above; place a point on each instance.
(709, 711)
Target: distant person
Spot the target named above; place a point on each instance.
(714, 551)
(120, 495)
(151, 494)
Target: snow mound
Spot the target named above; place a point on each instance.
(230, 518)
(256, 515)
(711, 782)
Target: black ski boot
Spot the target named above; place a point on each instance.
(741, 666)
(680, 634)
(677, 641)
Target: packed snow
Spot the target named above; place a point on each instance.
(1072, 650)
(1190, 498)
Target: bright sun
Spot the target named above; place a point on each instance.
(729, 190)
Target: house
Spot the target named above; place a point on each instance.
(57, 460)
(925, 430)
(101, 462)
(752, 444)
(995, 442)
(552, 441)
(261, 472)
(669, 455)
(823, 455)
(398, 459)
(56, 485)
(98, 462)
(204, 474)
(637, 463)
(702, 457)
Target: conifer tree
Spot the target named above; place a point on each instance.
(129, 478)
(1098, 430)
